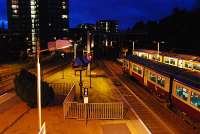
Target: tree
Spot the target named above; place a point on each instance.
(26, 89)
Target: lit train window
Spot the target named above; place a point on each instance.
(197, 67)
(136, 69)
(167, 60)
(161, 81)
(182, 93)
(195, 99)
(152, 77)
(172, 61)
(188, 65)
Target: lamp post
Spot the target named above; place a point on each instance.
(38, 51)
(38, 85)
(63, 56)
(158, 48)
(75, 47)
(89, 42)
(133, 47)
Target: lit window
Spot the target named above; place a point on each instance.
(161, 81)
(65, 29)
(14, 6)
(64, 7)
(15, 11)
(172, 61)
(152, 77)
(64, 16)
(136, 69)
(188, 65)
(195, 99)
(182, 93)
(197, 67)
(167, 60)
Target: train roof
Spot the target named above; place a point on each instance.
(162, 68)
(188, 77)
(171, 54)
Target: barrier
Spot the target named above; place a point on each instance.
(81, 111)
(61, 88)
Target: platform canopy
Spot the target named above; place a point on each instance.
(59, 44)
(80, 62)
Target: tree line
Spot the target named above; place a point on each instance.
(180, 30)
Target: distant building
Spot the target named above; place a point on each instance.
(48, 19)
(90, 27)
(110, 26)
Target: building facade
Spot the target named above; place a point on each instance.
(46, 19)
(110, 26)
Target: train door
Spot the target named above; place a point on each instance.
(145, 76)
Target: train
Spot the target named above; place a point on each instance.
(179, 87)
(188, 62)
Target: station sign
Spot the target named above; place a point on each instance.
(85, 99)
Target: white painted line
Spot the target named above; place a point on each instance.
(134, 112)
(140, 101)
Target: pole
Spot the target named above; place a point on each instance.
(90, 78)
(88, 48)
(133, 47)
(81, 84)
(75, 46)
(39, 86)
(158, 49)
(63, 75)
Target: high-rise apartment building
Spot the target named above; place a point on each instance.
(46, 19)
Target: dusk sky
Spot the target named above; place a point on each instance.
(127, 12)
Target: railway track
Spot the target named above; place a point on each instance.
(7, 85)
(157, 118)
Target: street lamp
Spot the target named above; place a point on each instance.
(51, 47)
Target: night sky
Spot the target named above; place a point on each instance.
(127, 12)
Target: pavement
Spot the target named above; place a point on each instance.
(103, 90)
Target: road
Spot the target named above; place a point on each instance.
(158, 118)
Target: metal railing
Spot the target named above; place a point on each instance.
(81, 111)
(61, 88)
(68, 102)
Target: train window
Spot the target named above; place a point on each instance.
(172, 61)
(195, 99)
(197, 67)
(152, 77)
(161, 81)
(188, 65)
(182, 93)
(136, 69)
(167, 60)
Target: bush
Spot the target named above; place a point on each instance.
(26, 89)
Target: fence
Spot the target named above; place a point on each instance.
(69, 100)
(61, 88)
(81, 111)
